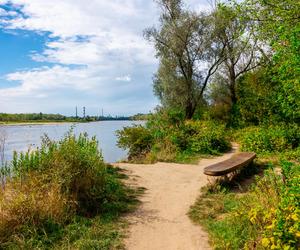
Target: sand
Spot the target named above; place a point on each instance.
(161, 221)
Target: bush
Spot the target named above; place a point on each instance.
(206, 137)
(51, 185)
(292, 155)
(167, 137)
(266, 217)
(273, 209)
(269, 139)
(137, 139)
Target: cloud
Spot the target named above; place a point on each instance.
(89, 50)
(123, 78)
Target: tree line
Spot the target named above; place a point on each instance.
(238, 63)
(31, 117)
(4, 117)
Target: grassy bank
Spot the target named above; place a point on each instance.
(63, 196)
(260, 209)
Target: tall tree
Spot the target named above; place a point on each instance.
(278, 23)
(242, 51)
(189, 55)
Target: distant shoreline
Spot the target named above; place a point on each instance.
(34, 123)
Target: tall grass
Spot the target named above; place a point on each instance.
(49, 188)
(3, 137)
(4, 170)
(266, 217)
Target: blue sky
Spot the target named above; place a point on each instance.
(56, 55)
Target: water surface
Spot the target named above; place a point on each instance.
(23, 137)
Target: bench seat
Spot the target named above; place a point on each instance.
(237, 161)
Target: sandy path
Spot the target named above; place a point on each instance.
(161, 221)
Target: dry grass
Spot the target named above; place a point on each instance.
(56, 190)
(31, 204)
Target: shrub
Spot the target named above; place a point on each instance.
(206, 137)
(266, 217)
(165, 151)
(272, 208)
(269, 139)
(167, 137)
(51, 185)
(291, 155)
(137, 139)
(77, 165)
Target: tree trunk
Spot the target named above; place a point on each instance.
(232, 81)
(234, 112)
(190, 105)
(189, 111)
(233, 92)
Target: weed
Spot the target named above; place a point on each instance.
(266, 217)
(58, 189)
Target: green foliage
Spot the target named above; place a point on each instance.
(273, 208)
(241, 53)
(270, 92)
(31, 117)
(75, 163)
(283, 230)
(267, 217)
(277, 23)
(256, 99)
(137, 139)
(211, 211)
(183, 41)
(206, 137)
(292, 155)
(48, 187)
(140, 117)
(276, 138)
(168, 137)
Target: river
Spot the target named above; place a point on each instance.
(23, 137)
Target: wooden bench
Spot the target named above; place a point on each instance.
(236, 162)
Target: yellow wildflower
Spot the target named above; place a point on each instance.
(295, 217)
(265, 242)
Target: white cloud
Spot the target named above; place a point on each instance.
(3, 12)
(93, 45)
(123, 78)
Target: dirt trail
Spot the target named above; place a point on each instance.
(161, 221)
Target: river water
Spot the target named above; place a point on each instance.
(23, 137)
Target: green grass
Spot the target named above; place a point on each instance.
(258, 214)
(102, 231)
(82, 233)
(215, 209)
(214, 212)
(63, 196)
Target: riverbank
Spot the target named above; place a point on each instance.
(63, 196)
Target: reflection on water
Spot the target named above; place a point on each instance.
(22, 138)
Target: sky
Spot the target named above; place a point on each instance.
(56, 55)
